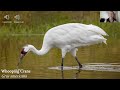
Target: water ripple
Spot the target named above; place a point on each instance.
(109, 67)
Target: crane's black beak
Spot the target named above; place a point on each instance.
(23, 53)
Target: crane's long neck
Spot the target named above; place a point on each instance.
(42, 51)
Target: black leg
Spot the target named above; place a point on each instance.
(62, 64)
(62, 74)
(80, 66)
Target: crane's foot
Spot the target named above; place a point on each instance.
(80, 66)
(61, 68)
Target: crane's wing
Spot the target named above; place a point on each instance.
(73, 33)
(85, 28)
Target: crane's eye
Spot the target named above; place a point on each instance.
(23, 52)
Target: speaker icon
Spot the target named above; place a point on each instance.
(7, 17)
(17, 17)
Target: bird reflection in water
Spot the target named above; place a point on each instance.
(75, 77)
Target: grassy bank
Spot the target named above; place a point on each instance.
(38, 22)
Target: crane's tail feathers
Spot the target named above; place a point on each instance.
(104, 41)
(107, 34)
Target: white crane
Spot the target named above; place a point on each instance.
(68, 37)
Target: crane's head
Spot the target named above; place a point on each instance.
(23, 52)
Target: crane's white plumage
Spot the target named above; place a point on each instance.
(74, 35)
(68, 37)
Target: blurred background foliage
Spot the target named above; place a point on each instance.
(41, 21)
(38, 22)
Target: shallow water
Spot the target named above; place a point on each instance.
(99, 61)
(111, 67)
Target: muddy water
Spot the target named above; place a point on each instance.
(99, 61)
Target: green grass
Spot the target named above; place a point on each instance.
(38, 22)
